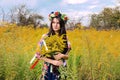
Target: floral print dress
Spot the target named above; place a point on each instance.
(49, 71)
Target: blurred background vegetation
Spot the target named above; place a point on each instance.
(95, 55)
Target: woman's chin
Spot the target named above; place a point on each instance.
(56, 30)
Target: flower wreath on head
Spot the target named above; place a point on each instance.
(58, 14)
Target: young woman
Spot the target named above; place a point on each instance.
(51, 64)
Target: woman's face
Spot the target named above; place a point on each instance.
(56, 25)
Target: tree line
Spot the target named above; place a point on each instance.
(22, 16)
(108, 18)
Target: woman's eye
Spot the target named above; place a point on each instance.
(53, 22)
(57, 22)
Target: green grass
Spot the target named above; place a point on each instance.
(17, 47)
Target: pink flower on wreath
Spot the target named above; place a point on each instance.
(49, 15)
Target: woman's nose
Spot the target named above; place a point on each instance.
(55, 24)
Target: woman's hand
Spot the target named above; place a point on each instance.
(38, 55)
(54, 62)
(58, 56)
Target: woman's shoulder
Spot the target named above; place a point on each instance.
(45, 35)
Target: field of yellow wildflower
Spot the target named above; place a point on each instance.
(95, 55)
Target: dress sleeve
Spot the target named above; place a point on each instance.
(68, 46)
(40, 44)
(68, 43)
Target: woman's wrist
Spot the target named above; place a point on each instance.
(65, 56)
(42, 58)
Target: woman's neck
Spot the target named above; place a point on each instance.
(57, 33)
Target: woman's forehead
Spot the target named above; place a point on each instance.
(56, 20)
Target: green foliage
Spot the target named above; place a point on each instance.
(91, 57)
(106, 19)
(54, 44)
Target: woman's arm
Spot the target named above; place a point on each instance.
(54, 62)
(61, 56)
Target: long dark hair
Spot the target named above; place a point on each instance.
(62, 27)
(62, 31)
